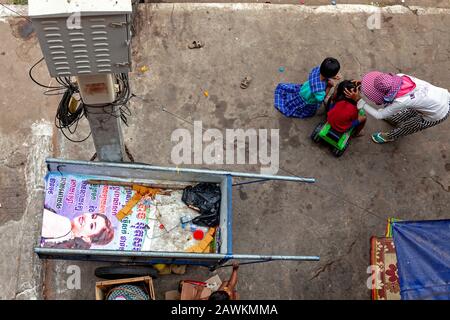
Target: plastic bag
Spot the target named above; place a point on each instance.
(205, 198)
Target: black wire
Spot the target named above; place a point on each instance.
(68, 121)
(60, 81)
(65, 117)
(8, 8)
(30, 73)
(76, 141)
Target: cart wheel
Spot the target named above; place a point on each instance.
(315, 134)
(120, 272)
(337, 153)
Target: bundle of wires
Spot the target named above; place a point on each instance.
(67, 118)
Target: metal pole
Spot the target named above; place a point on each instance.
(266, 176)
(177, 255)
(138, 166)
(106, 132)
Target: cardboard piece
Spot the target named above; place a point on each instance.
(214, 283)
(189, 292)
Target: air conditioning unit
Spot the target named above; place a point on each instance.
(83, 37)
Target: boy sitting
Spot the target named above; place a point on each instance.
(303, 100)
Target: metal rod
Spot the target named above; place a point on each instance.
(118, 182)
(271, 258)
(185, 170)
(249, 182)
(178, 255)
(242, 264)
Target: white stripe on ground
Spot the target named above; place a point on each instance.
(325, 9)
(328, 9)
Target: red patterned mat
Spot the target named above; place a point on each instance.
(383, 259)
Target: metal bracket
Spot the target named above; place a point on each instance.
(119, 24)
(122, 64)
(217, 265)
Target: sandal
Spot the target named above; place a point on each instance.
(377, 138)
(245, 82)
(196, 45)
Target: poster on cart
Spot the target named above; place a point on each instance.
(79, 215)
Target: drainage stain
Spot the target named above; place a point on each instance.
(22, 28)
(26, 30)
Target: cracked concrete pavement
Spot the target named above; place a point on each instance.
(380, 3)
(334, 218)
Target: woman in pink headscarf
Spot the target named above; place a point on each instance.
(410, 104)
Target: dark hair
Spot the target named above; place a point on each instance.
(340, 95)
(75, 243)
(105, 235)
(329, 67)
(219, 295)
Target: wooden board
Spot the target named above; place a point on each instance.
(102, 287)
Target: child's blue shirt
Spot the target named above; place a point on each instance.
(313, 91)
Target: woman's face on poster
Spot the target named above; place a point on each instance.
(87, 225)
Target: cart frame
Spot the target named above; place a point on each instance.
(148, 174)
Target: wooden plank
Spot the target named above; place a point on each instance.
(102, 286)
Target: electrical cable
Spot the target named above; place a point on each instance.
(20, 15)
(30, 73)
(66, 120)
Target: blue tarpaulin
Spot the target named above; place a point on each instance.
(423, 257)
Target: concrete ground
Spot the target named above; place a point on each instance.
(333, 218)
(379, 3)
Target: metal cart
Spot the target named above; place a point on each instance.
(166, 176)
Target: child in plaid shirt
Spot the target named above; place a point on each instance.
(303, 100)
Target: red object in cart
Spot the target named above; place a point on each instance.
(199, 234)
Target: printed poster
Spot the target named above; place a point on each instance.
(79, 215)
